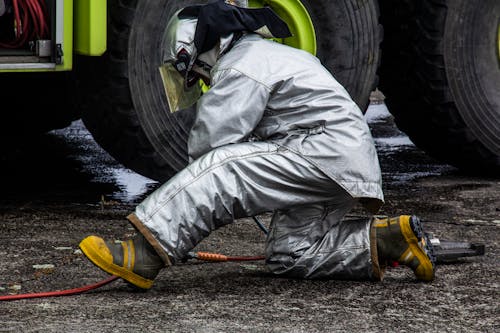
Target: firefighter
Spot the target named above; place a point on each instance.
(275, 132)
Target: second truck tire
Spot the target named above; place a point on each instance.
(440, 72)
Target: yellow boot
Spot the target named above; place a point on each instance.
(134, 260)
(401, 239)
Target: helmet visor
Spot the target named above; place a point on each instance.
(179, 96)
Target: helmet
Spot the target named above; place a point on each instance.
(196, 36)
(180, 82)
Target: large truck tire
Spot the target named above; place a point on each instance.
(440, 73)
(124, 105)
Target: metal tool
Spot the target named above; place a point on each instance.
(447, 251)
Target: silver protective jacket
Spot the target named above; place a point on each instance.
(287, 97)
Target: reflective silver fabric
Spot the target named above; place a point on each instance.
(179, 35)
(272, 92)
(314, 241)
(247, 179)
(274, 131)
(241, 3)
(228, 183)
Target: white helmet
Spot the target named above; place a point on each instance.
(181, 84)
(182, 66)
(196, 36)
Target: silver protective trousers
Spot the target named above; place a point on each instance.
(308, 237)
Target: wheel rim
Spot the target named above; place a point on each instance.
(296, 16)
(498, 43)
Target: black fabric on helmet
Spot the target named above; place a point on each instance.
(219, 19)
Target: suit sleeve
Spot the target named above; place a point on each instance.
(228, 112)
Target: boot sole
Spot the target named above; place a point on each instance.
(416, 227)
(98, 253)
(420, 246)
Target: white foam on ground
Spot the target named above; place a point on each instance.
(132, 184)
(376, 113)
(394, 142)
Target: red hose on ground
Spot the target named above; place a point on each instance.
(206, 256)
(59, 293)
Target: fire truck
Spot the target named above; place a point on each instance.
(436, 61)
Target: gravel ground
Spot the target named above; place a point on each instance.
(65, 188)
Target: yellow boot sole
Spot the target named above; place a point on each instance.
(99, 254)
(425, 271)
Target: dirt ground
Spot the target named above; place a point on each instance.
(49, 204)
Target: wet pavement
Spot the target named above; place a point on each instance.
(67, 165)
(69, 162)
(400, 160)
(62, 187)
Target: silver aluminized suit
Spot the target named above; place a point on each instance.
(276, 132)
